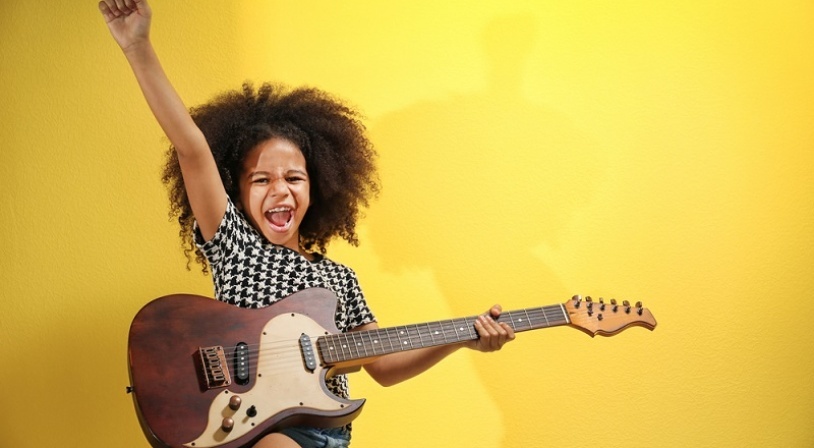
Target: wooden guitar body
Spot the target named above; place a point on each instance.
(175, 405)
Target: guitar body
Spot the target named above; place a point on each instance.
(176, 404)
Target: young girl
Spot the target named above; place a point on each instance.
(261, 180)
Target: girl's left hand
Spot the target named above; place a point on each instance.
(128, 21)
(492, 334)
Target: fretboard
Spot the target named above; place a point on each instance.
(354, 345)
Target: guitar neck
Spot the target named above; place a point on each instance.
(344, 348)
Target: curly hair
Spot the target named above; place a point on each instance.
(340, 159)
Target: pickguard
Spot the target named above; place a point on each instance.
(281, 383)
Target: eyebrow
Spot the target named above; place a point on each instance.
(268, 173)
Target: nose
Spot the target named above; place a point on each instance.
(279, 187)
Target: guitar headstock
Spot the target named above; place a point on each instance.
(607, 319)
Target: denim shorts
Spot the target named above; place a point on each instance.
(309, 437)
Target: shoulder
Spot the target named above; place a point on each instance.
(329, 264)
(232, 225)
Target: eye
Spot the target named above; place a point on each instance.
(260, 180)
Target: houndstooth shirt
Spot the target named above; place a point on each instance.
(250, 272)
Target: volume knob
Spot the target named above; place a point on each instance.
(234, 402)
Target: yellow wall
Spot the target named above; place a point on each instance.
(655, 151)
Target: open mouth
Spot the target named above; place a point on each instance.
(280, 218)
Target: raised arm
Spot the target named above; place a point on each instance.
(129, 23)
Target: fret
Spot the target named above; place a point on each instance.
(323, 346)
(528, 319)
(546, 318)
(327, 348)
(429, 332)
(410, 336)
(445, 330)
(422, 335)
(455, 327)
(399, 338)
(336, 348)
(509, 318)
(372, 342)
(389, 338)
(564, 314)
(342, 342)
(361, 343)
(470, 328)
(557, 314)
(399, 333)
(441, 332)
(355, 344)
(332, 343)
(539, 316)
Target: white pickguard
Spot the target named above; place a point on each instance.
(281, 382)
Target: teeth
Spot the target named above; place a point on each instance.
(279, 209)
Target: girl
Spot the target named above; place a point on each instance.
(261, 180)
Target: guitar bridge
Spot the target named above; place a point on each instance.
(215, 368)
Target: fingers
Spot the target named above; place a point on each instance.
(495, 311)
(112, 9)
(127, 20)
(108, 13)
(492, 334)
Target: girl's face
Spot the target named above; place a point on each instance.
(275, 191)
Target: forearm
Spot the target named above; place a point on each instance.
(397, 367)
(165, 103)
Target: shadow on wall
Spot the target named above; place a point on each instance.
(482, 180)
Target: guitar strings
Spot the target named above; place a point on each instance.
(268, 356)
(445, 330)
(408, 337)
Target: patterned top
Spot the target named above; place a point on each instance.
(250, 272)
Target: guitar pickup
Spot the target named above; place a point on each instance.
(215, 369)
(242, 363)
(307, 352)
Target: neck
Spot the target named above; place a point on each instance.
(358, 347)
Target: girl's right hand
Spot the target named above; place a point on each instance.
(128, 21)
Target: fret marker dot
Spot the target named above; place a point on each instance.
(375, 341)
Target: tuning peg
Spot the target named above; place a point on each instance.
(639, 308)
(615, 306)
(601, 304)
(626, 304)
(577, 299)
(590, 302)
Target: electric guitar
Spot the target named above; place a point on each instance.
(207, 374)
